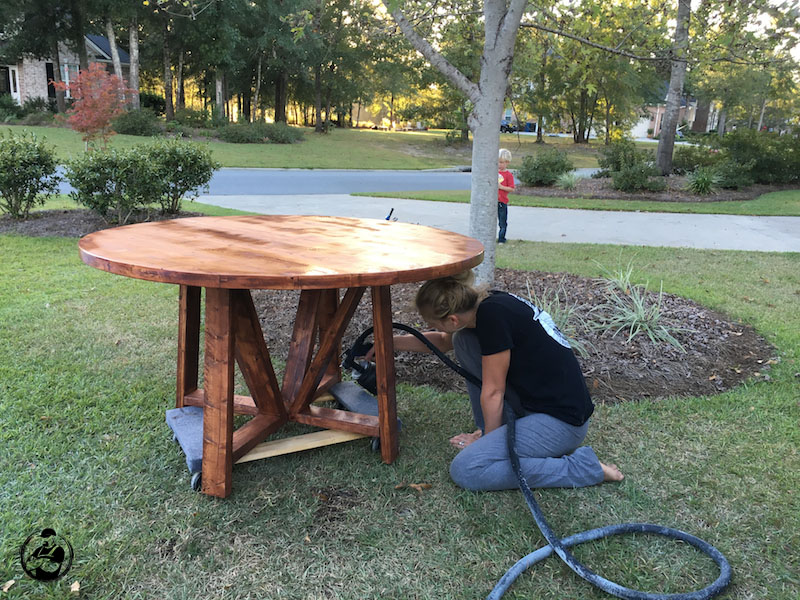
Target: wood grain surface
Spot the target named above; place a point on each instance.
(280, 252)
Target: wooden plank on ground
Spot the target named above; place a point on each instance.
(299, 443)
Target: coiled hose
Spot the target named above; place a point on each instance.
(556, 544)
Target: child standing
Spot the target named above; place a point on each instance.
(505, 184)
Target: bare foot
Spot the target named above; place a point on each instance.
(611, 473)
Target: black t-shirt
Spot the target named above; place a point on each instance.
(543, 370)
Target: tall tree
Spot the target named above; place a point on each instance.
(679, 56)
(487, 94)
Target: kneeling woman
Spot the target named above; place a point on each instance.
(523, 359)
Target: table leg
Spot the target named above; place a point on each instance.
(384, 366)
(188, 342)
(218, 401)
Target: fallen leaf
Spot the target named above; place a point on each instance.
(765, 280)
(757, 374)
(737, 370)
(7, 585)
(772, 361)
(75, 588)
(400, 486)
(307, 539)
(419, 486)
(713, 377)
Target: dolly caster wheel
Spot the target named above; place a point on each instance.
(197, 480)
(376, 444)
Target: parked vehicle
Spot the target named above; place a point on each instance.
(506, 126)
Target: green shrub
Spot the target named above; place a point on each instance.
(545, 167)
(688, 158)
(9, 109)
(182, 168)
(38, 105)
(281, 133)
(154, 102)
(567, 181)
(776, 158)
(38, 118)
(620, 154)
(27, 174)
(242, 134)
(634, 313)
(733, 175)
(642, 176)
(114, 184)
(141, 122)
(192, 118)
(702, 181)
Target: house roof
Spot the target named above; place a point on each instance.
(103, 47)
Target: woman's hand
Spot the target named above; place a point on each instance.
(462, 440)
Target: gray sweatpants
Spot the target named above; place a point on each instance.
(548, 448)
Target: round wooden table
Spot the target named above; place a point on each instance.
(229, 256)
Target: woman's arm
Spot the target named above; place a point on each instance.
(495, 370)
(409, 343)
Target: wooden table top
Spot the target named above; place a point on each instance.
(280, 252)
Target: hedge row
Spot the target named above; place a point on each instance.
(113, 183)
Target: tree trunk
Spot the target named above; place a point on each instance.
(540, 129)
(700, 123)
(258, 89)
(281, 95)
(761, 115)
(318, 125)
(78, 10)
(169, 110)
(219, 100)
(61, 103)
(112, 42)
(723, 117)
(133, 73)
(179, 86)
(666, 139)
(608, 123)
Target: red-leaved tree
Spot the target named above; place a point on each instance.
(98, 98)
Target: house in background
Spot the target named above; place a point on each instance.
(701, 118)
(33, 78)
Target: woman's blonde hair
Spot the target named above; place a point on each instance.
(440, 298)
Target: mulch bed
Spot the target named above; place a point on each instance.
(676, 191)
(719, 353)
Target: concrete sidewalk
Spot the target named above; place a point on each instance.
(718, 232)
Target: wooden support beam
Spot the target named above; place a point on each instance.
(188, 341)
(242, 405)
(384, 370)
(249, 435)
(299, 443)
(218, 401)
(329, 341)
(253, 357)
(302, 343)
(332, 418)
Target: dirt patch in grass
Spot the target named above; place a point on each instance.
(717, 353)
(587, 187)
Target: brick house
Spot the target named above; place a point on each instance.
(32, 78)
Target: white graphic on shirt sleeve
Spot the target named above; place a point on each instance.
(546, 321)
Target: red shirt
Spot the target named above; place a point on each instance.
(508, 181)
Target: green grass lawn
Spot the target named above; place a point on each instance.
(339, 149)
(87, 367)
(784, 204)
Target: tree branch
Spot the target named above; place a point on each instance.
(424, 47)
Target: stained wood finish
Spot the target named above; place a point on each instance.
(218, 405)
(188, 342)
(384, 371)
(280, 252)
(318, 255)
(253, 357)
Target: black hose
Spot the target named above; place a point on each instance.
(558, 545)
